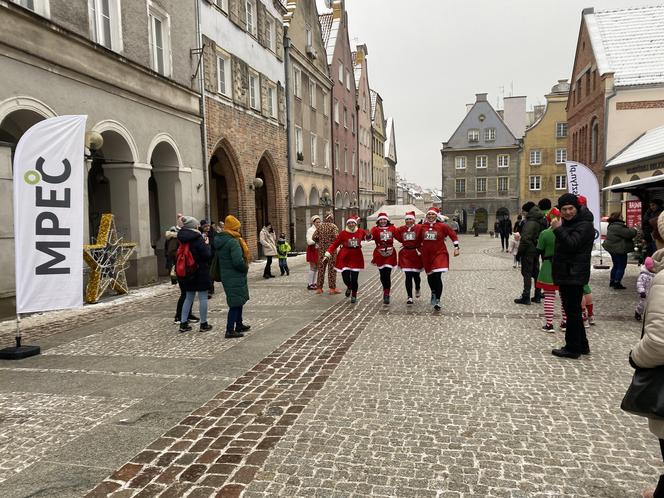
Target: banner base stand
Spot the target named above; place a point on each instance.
(18, 353)
(601, 267)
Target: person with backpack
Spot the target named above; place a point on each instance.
(192, 267)
(527, 251)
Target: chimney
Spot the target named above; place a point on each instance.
(361, 54)
(338, 9)
(515, 115)
(480, 97)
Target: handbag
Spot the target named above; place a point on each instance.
(214, 269)
(645, 395)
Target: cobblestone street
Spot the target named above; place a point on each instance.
(325, 398)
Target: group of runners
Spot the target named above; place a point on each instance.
(422, 248)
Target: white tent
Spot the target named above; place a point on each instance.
(396, 212)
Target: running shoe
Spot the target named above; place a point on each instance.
(409, 300)
(548, 327)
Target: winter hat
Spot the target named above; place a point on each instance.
(352, 219)
(314, 218)
(649, 263)
(190, 222)
(544, 204)
(410, 215)
(553, 213)
(232, 223)
(383, 216)
(582, 200)
(434, 210)
(528, 206)
(568, 200)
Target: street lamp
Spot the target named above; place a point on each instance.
(256, 183)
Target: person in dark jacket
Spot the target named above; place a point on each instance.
(518, 224)
(505, 230)
(233, 256)
(619, 242)
(655, 207)
(575, 235)
(527, 252)
(208, 237)
(199, 281)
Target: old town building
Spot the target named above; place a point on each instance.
(245, 113)
(378, 148)
(391, 162)
(480, 165)
(365, 155)
(130, 71)
(309, 88)
(617, 88)
(543, 173)
(334, 26)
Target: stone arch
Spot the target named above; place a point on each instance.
(266, 196)
(482, 219)
(168, 145)
(634, 178)
(657, 172)
(227, 185)
(300, 198)
(314, 197)
(115, 133)
(18, 114)
(346, 201)
(338, 200)
(353, 200)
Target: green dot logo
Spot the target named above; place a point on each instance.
(32, 177)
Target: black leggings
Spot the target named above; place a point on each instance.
(504, 241)
(386, 278)
(435, 280)
(350, 279)
(410, 276)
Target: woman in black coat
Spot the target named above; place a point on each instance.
(199, 280)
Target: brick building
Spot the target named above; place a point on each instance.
(245, 112)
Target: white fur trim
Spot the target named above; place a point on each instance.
(439, 270)
(411, 269)
(408, 217)
(346, 268)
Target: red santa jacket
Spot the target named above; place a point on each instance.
(411, 241)
(384, 256)
(434, 252)
(350, 255)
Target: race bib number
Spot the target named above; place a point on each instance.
(431, 235)
(409, 236)
(353, 243)
(385, 235)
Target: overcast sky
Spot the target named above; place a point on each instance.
(428, 59)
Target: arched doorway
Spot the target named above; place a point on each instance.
(266, 198)
(482, 219)
(657, 173)
(301, 225)
(224, 185)
(16, 123)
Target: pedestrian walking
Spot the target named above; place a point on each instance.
(410, 259)
(283, 248)
(643, 284)
(435, 257)
(649, 351)
(312, 252)
(325, 234)
(233, 257)
(197, 277)
(350, 260)
(546, 246)
(527, 251)
(575, 235)
(268, 240)
(655, 207)
(504, 230)
(384, 255)
(619, 243)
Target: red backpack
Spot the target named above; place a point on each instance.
(185, 264)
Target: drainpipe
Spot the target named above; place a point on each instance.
(201, 80)
(289, 127)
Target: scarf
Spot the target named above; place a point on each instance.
(232, 227)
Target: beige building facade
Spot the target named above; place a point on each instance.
(379, 170)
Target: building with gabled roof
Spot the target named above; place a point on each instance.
(378, 137)
(365, 156)
(391, 161)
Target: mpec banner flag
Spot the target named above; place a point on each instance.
(582, 181)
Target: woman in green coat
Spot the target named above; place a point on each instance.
(233, 257)
(619, 242)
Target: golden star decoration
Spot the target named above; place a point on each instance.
(108, 260)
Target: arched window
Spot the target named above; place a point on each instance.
(594, 141)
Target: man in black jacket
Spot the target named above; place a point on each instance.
(527, 251)
(575, 235)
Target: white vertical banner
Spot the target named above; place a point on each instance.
(582, 181)
(48, 215)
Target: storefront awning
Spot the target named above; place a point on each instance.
(650, 183)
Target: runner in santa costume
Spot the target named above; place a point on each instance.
(384, 256)
(350, 259)
(410, 260)
(434, 252)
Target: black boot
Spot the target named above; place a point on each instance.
(523, 300)
(537, 298)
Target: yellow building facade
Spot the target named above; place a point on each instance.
(543, 173)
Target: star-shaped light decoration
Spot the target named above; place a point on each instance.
(108, 260)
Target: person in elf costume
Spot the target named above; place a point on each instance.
(434, 252)
(350, 259)
(384, 256)
(546, 244)
(410, 259)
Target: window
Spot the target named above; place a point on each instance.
(297, 82)
(561, 130)
(224, 75)
(489, 134)
(336, 156)
(480, 184)
(474, 135)
(535, 182)
(352, 165)
(341, 72)
(460, 185)
(314, 148)
(309, 36)
(326, 104)
(254, 91)
(346, 117)
(594, 142)
(348, 80)
(251, 16)
(271, 100)
(105, 26)
(561, 156)
(535, 157)
(503, 183)
(336, 111)
(345, 159)
(481, 161)
(326, 152)
(299, 146)
(271, 35)
(312, 94)
(460, 162)
(561, 182)
(223, 5)
(160, 52)
(40, 7)
(503, 161)
(352, 123)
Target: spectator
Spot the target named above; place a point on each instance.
(643, 284)
(505, 230)
(518, 224)
(544, 205)
(654, 209)
(312, 252)
(268, 240)
(528, 252)
(619, 242)
(283, 248)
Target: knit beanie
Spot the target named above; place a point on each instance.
(527, 206)
(649, 263)
(190, 222)
(568, 200)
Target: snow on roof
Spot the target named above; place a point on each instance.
(329, 27)
(650, 144)
(629, 43)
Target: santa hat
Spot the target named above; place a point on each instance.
(383, 216)
(353, 219)
(434, 210)
(410, 215)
